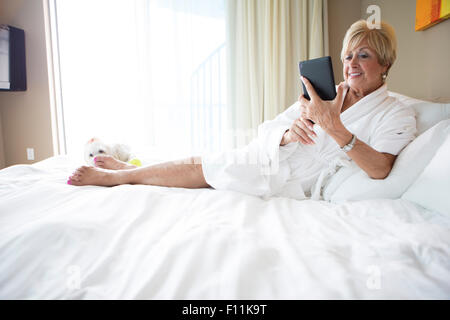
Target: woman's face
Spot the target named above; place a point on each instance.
(362, 71)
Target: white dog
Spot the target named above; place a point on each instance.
(95, 147)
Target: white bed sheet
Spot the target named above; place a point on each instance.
(144, 242)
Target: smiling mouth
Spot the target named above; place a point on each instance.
(354, 74)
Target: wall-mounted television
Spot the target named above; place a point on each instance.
(12, 59)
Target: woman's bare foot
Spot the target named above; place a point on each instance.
(85, 175)
(111, 163)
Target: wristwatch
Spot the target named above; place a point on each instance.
(350, 145)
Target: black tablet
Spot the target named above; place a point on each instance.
(320, 73)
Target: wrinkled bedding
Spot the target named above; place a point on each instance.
(145, 242)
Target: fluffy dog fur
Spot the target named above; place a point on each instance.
(95, 147)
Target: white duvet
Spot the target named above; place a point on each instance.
(143, 242)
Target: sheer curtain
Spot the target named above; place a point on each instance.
(266, 40)
(150, 73)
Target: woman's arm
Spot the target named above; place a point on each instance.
(376, 164)
(326, 114)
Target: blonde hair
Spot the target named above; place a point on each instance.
(383, 41)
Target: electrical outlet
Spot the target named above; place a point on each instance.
(30, 153)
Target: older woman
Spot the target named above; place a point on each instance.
(362, 124)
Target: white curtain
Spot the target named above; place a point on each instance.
(265, 41)
(149, 73)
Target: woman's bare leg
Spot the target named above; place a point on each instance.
(185, 173)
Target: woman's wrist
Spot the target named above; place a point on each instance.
(341, 135)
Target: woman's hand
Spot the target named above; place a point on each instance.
(300, 131)
(327, 114)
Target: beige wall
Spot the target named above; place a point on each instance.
(422, 69)
(341, 14)
(2, 149)
(25, 116)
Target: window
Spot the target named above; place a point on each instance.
(149, 73)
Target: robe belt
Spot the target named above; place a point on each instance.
(326, 174)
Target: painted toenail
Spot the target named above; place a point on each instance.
(69, 182)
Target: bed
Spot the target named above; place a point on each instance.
(146, 242)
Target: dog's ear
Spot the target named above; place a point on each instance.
(92, 140)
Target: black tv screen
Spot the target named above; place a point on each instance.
(12, 59)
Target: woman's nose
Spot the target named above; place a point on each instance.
(354, 60)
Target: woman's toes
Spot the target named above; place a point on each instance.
(81, 170)
(73, 179)
(74, 182)
(76, 175)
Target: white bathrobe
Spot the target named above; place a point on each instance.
(264, 168)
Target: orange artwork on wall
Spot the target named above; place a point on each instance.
(430, 12)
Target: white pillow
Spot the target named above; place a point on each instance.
(354, 184)
(432, 189)
(427, 113)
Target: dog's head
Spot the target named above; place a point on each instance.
(93, 148)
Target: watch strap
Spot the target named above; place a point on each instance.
(349, 146)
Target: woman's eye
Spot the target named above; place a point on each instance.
(348, 58)
(363, 55)
(91, 155)
(101, 151)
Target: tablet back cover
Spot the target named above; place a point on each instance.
(320, 73)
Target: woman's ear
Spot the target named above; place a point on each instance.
(386, 69)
